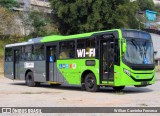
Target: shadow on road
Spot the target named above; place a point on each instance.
(126, 90)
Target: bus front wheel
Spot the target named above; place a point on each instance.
(30, 80)
(90, 83)
(118, 88)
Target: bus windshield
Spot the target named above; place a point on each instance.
(139, 52)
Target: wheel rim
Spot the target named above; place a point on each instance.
(90, 82)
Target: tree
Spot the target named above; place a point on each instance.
(8, 3)
(78, 16)
(38, 23)
(146, 5)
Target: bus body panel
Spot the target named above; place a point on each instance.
(58, 76)
(37, 67)
(8, 70)
(72, 69)
(39, 71)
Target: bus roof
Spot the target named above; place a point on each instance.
(30, 41)
(76, 36)
(61, 37)
(56, 38)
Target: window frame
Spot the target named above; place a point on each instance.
(86, 39)
(32, 51)
(59, 49)
(12, 59)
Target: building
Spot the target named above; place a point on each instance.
(38, 5)
(156, 2)
(156, 45)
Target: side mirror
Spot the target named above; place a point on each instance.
(124, 46)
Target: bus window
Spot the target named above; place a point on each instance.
(86, 45)
(67, 50)
(8, 55)
(90, 44)
(81, 44)
(26, 53)
(38, 52)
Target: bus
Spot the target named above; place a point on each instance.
(114, 58)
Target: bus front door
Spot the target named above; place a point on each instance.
(51, 62)
(16, 64)
(107, 60)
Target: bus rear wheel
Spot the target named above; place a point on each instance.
(118, 88)
(30, 80)
(90, 83)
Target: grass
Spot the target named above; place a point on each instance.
(2, 44)
(1, 66)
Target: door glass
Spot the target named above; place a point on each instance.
(17, 56)
(108, 60)
(52, 54)
(51, 51)
(104, 57)
(16, 65)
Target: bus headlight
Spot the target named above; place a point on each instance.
(127, 72)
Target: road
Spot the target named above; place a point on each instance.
(16, 93)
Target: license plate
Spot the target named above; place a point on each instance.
(144, 83)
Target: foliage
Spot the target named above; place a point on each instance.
(38, 23)
(146, 5)
(78, 16)
(158, 8)
(9, 4)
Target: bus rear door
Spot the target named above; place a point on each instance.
(16, 64)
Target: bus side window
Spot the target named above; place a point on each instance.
(38, 52)
(26, 53)
(8, 55)
(87, 45)
(67, 50)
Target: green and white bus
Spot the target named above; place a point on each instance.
(115, 58)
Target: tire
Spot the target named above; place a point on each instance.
(90, 83)
(30, 80)
(118, 88)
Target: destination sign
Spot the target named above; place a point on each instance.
(136, 34)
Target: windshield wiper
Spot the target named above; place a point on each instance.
(135, 44)
(145, 47)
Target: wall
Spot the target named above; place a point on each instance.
(156, 45)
